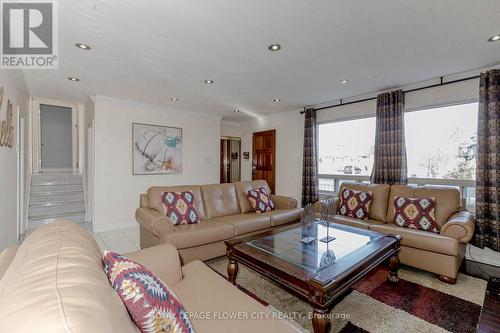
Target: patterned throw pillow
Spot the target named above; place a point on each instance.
(151, 304)
(260, 200)
(355, 203)
(415, 213)
(179, 207)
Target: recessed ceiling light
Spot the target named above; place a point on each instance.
(74, 79)
(276, 100)
(236, 111)
(274, 47)
(343, 81)
(494, 38)
(83, 46)
(174, 99)
(209, 81)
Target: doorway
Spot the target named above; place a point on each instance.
(230, 160)
(56, 138)
(264, 157)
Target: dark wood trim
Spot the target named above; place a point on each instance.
(272, 132)
(447, 279)
(490, 320)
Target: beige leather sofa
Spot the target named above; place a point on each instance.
(54, 282)
(225, 213)
(438, 253)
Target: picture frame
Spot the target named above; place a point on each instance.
(156, 149)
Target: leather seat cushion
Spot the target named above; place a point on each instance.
(220, 297)
(220, 200)
(354, 222)
(245, 223)
(282, 216)
(424, 240)
(205, 232)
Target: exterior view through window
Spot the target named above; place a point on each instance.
(440, 148)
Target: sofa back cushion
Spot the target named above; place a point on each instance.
(56, 283)
(241, 191)
(380, 193)
(155, 199)
(447, 200)
(220, 200)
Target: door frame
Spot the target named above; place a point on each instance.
(36, 147)
(20, 150)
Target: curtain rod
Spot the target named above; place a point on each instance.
(442, 83)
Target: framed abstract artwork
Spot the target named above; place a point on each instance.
(156, 149)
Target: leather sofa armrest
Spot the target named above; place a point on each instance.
(162, 260)
(460, 226)
(283, 202)
(153, 221)
(6, 257)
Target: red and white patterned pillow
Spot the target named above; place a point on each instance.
(260, 200)
(355, 203)
(415, 213)
(180, 208)
(151, 304)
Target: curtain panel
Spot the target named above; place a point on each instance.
(487, 232)
(310, 159)
(389, 166)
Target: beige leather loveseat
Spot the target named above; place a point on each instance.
(54, 282)
(438, 253)
(225, 213)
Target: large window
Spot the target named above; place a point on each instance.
(441, 142)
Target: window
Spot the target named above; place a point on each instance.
(441, 142)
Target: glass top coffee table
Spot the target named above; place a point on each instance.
(317, 271)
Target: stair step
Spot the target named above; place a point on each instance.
(56, 188)
(76, 218)
(52, 203)
(55, 177)
(57, 182)
(53, 211)
(56, 198)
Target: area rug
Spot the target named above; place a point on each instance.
(418, 303)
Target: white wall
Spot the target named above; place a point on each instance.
(16, 91)
(116, 190)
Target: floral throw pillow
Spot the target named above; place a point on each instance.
(179, 207)
(151, 304)
(355, 203)
(415, 213)
(260, 200)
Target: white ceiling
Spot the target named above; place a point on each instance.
(151, 50)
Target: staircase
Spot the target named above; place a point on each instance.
(56, 195)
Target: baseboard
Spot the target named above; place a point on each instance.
(114, 226)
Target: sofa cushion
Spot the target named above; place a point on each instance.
(243, 187)
(220, 200)
(415, 213)
(447, 200)
(380, 192)
(204, 291)
(355, 203)
(151, 304)
(244, 223)
(155, 202)
(189, 235)
(260, 200)
(354, 222)
(419, 239)
(56, 284)
(6, 257)
(282, 216)
(180, 207)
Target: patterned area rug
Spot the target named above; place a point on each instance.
(419, 303)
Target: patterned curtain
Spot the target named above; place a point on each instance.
(389, 166)
(487, 232)
(310, 161)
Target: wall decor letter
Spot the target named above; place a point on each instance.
(6, 128)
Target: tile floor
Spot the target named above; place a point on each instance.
(121, 241)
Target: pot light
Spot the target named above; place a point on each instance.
(208, 81)
(74, 79)
(173, 99)
(343, 81)
(276, 100)
(494, 38)
(236, 111)
(274, 47)
(83, 46)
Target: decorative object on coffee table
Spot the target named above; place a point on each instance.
(280, 256)
(306, 220)
(327, 212)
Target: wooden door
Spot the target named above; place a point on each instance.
(264, 157)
